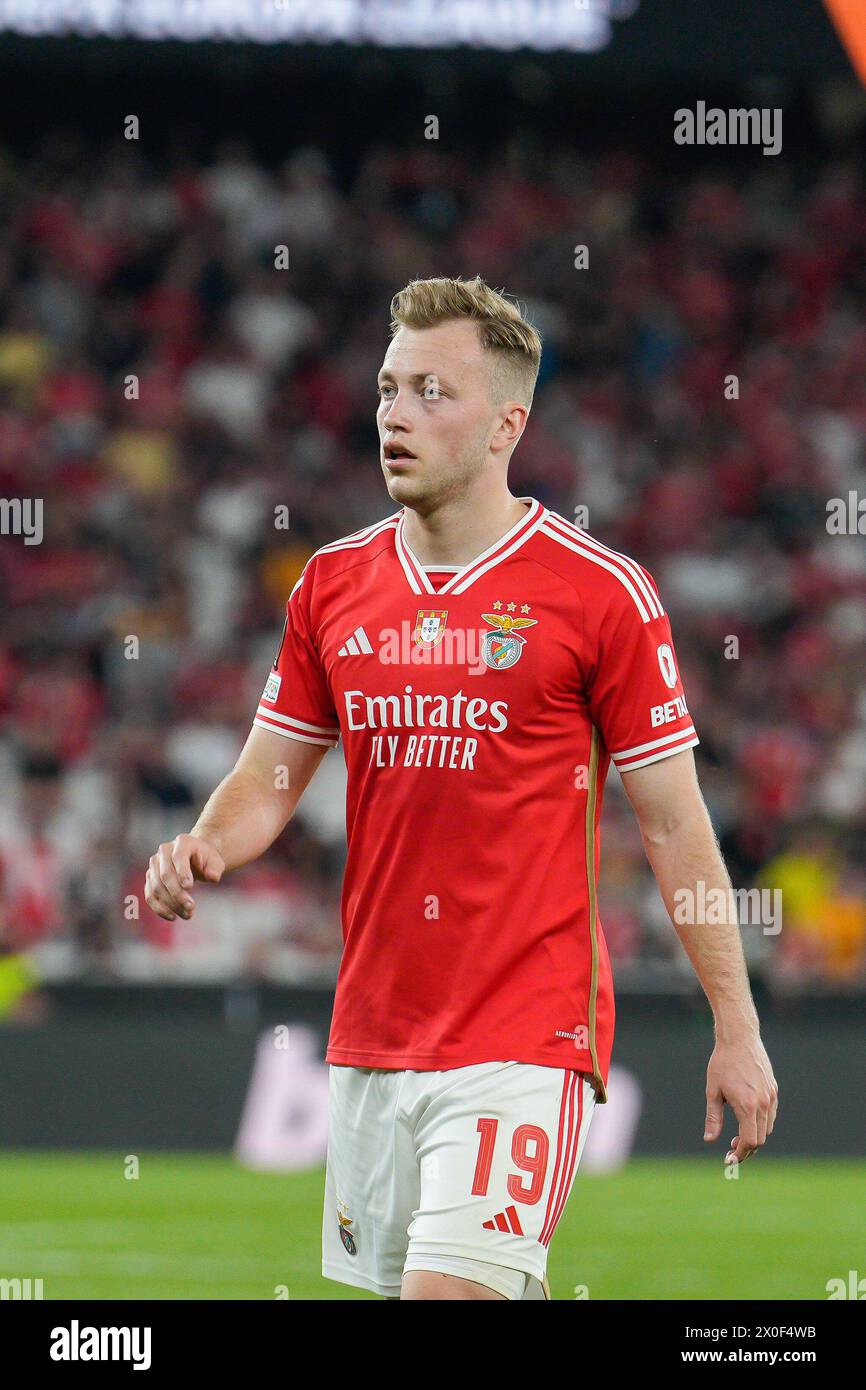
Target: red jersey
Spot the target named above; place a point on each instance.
(479, 710)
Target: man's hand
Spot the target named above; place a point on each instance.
(684, 853)
(246, 813)
(740, 1075)
(171, 873)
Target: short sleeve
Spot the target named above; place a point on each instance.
(296, 701)
(635, 692)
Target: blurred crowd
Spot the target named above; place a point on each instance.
(188, 354)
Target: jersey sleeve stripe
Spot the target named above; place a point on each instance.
(330, 730)
(290, 733)
(356, 541)
(641, 576)
(359, 539)
(655, 743)
(299, 581)
(646, 616)
(628, 764)
(637, 572)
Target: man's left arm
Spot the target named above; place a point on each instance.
(683, 852)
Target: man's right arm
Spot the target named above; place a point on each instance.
(243, 817)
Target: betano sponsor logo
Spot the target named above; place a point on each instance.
(410, 710)
(668, 712)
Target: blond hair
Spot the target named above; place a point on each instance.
(502, 329)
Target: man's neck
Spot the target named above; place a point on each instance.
(458, 531)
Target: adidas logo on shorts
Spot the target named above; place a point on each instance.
(507, 1221)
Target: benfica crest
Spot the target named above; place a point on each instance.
(430, 626)
(346, 1236)
(503, 647)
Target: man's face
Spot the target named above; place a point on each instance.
(434, 402)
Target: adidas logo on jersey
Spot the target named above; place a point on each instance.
(359, 642)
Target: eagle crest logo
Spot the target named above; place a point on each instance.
(504, 646)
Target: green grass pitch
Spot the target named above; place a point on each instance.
(197, 1226)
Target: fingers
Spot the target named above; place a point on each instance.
(172, 871)
(175, 875)
(747, 1141)
(168, 876)
(756, 1123)
(155, 895)
(715, 1112)
(738, 1152)
(181, 852)
(774, 1106)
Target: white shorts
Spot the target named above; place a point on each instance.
(443, 1170)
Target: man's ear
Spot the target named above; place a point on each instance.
(511, 426)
